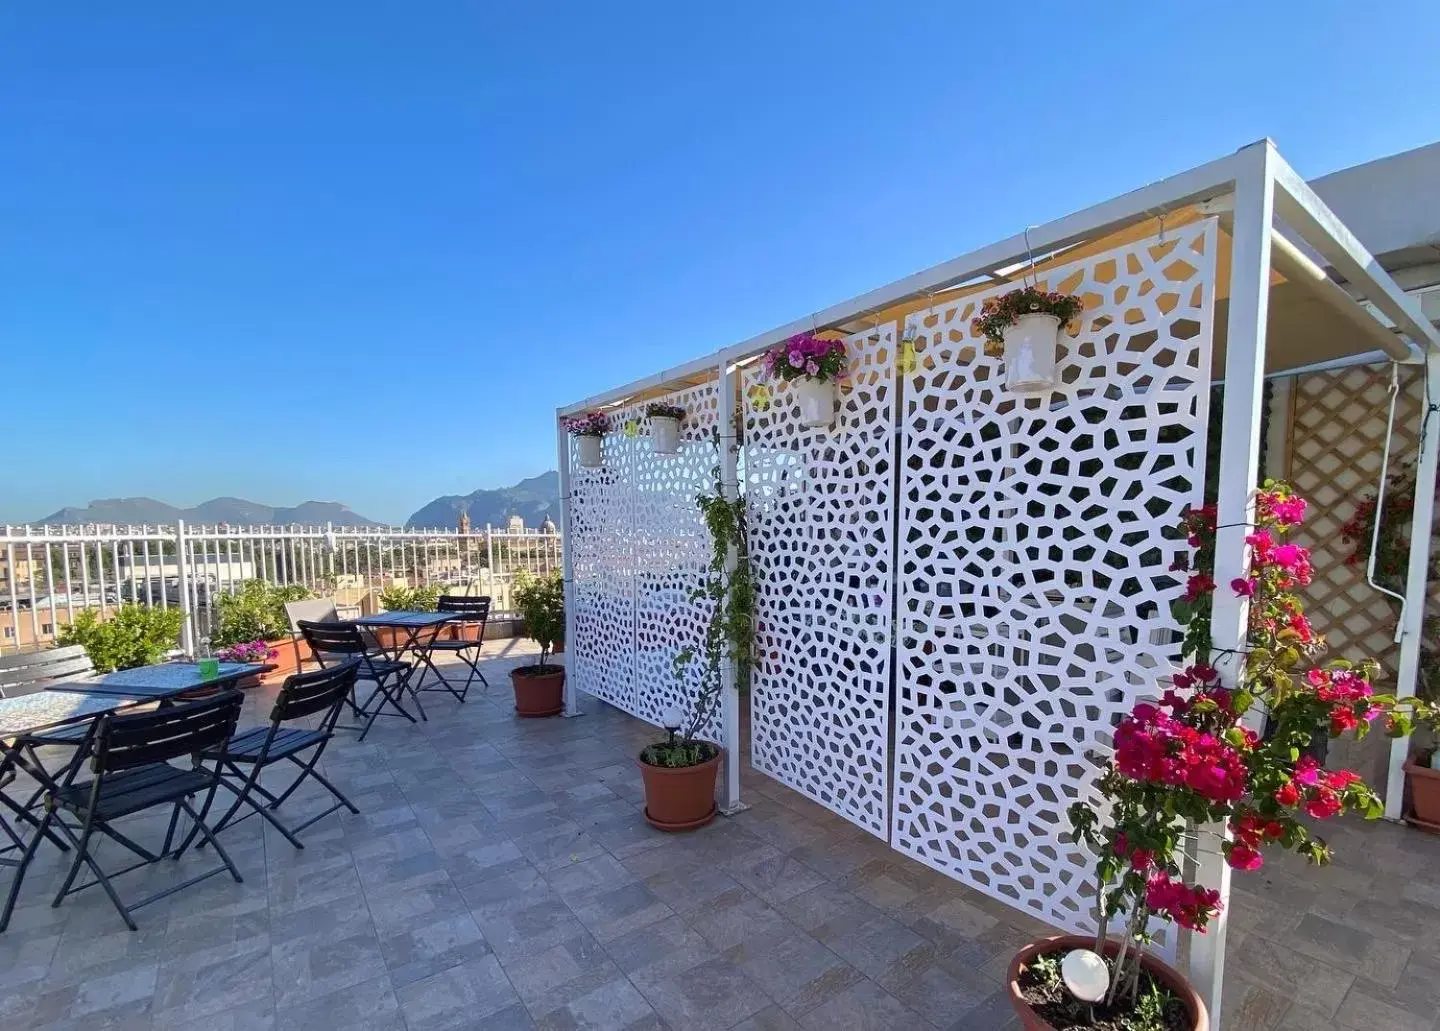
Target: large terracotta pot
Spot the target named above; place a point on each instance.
(1424, 795)
(682, 798)
(1172, 979)
(538, 693)
(284, 662)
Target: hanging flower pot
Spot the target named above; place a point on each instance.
(1024, 325)
(814, 366)
(588, 445)
(817, 400)
(665, 428)
(1030, 347)
(588, 430)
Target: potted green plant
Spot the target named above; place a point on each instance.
(588, 431)
(664, 427)
(679, 772)
(814, 366)
(256, 612)
(133, 635)
(1188, 758)
(1025, 326)
(540, 687)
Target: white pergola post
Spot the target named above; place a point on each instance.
(1417, 576)
(567, 546)
(1239, 471)
(729, 444)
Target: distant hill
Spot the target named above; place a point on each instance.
(216, 510)
(532, 500)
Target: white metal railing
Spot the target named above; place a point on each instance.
(48, 573)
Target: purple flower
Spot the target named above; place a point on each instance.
(811, 369)
(797, 358)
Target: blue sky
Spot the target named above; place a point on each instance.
(405, 232)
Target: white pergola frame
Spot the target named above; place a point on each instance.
(1258, 189)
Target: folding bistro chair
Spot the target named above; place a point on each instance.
(303, 694)
(129, 756)
(470, 611)
(334, 643)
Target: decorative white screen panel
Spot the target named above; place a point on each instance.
(672, 548)
(602, 515)
(821, 509)
(639, 551)
(1034, 564)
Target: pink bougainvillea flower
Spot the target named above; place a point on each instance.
(1243, 586)
(1243, 857)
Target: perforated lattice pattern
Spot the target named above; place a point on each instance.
(821, 510)
(602, 516)
(640, 547)
(672, 548)
(1033, 565)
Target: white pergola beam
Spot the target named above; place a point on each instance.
(1199, 183)
(1302, 209)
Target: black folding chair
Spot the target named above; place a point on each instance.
(334, 643)
(303, 694)
(469, 611)
(129, 755)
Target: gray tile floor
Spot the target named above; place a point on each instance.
(500, 876)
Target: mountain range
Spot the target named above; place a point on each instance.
(236, 511)
(532, 499)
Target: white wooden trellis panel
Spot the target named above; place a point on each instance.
(1033, 565)
(602, 517)
(672, 549)
(821, 508)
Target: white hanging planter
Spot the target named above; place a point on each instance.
(665, 434)
(817, 400)
(1031, 345)
(588, 445)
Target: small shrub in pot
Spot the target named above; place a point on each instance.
(540, 687)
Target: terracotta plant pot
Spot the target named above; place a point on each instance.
(681, 798)
(538, 693)
(1424, 795)
(284, 661)
(1172, 979)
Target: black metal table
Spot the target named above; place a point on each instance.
(419, 629)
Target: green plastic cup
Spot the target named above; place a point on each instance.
(209, 669)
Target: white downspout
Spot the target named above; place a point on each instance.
(1380, 502)
(1417, 572)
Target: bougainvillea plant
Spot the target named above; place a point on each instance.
(1188, 757)
(659, 409)
(807, 355)
(247, 651)
(590, 424)
(998, 314)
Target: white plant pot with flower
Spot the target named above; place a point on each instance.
(588, 447)
(1031, 345)
(817, 400)
(665, 434)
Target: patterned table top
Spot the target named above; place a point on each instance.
(158, 681)
(45, 709)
